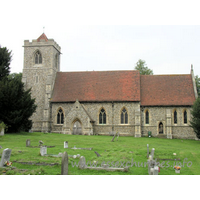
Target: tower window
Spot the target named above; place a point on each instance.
(38, 58)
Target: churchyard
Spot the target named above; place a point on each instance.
(43, 154)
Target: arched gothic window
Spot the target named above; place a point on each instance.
(38, 58)
(60, 117)
(175, 117)
(124, 116)
(185, 117)
(102, 116)
(147, 117)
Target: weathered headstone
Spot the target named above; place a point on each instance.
(1, 147)
(98, 155)
(41, 143)
(66, 144)
(147, 150)
(5, 156)
(82, 162)
(43, 150)
(152, 152)
(64, 164)
(156, 169)
(2, 132)
(28, 143)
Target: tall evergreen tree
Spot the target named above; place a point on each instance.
(197, 80)
(142, 67)
(195, 122)
(16, 104)
(5, 59)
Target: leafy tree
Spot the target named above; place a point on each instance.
(141, 66)
(195, 122)
(5, 59)
(16, 104)
(197, 79)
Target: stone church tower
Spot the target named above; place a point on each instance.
(41, 63)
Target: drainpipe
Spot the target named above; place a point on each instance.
(142, 120)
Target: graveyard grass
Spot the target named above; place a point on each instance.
(124, 151)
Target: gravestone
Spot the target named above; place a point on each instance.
(5, 156)
(2, 132)
(66, 144)
(152, 152)
(147, 150)
(43, 150)
(82, 162)
(64, 164)
(1, 147)
(41, 143)
(28, 143)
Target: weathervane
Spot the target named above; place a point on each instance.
(43, 29)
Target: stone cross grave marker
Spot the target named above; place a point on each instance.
(43, 150)
(64, 164)
(66, 144)
(5, 156)
(28, 143)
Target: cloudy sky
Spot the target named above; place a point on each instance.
(109, 35)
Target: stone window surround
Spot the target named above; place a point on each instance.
(175, 124)
(145, 117)
(34, 54)
(56, 116)
(106, 116)
(124, 116)
(185, 110)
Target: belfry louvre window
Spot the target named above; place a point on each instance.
(124, 116)
(102, 116)
(185, 117)
(38, 58)
(175, 117)
(147, 117)
(60, 117)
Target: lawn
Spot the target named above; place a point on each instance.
(128, 151)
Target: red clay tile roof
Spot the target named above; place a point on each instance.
(167, 90)
(42, 37)
(97, 86)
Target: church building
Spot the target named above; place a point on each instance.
(103, 102)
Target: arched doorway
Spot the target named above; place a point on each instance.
(160, 128)
(77, 128)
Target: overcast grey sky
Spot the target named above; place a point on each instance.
(109, 35)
